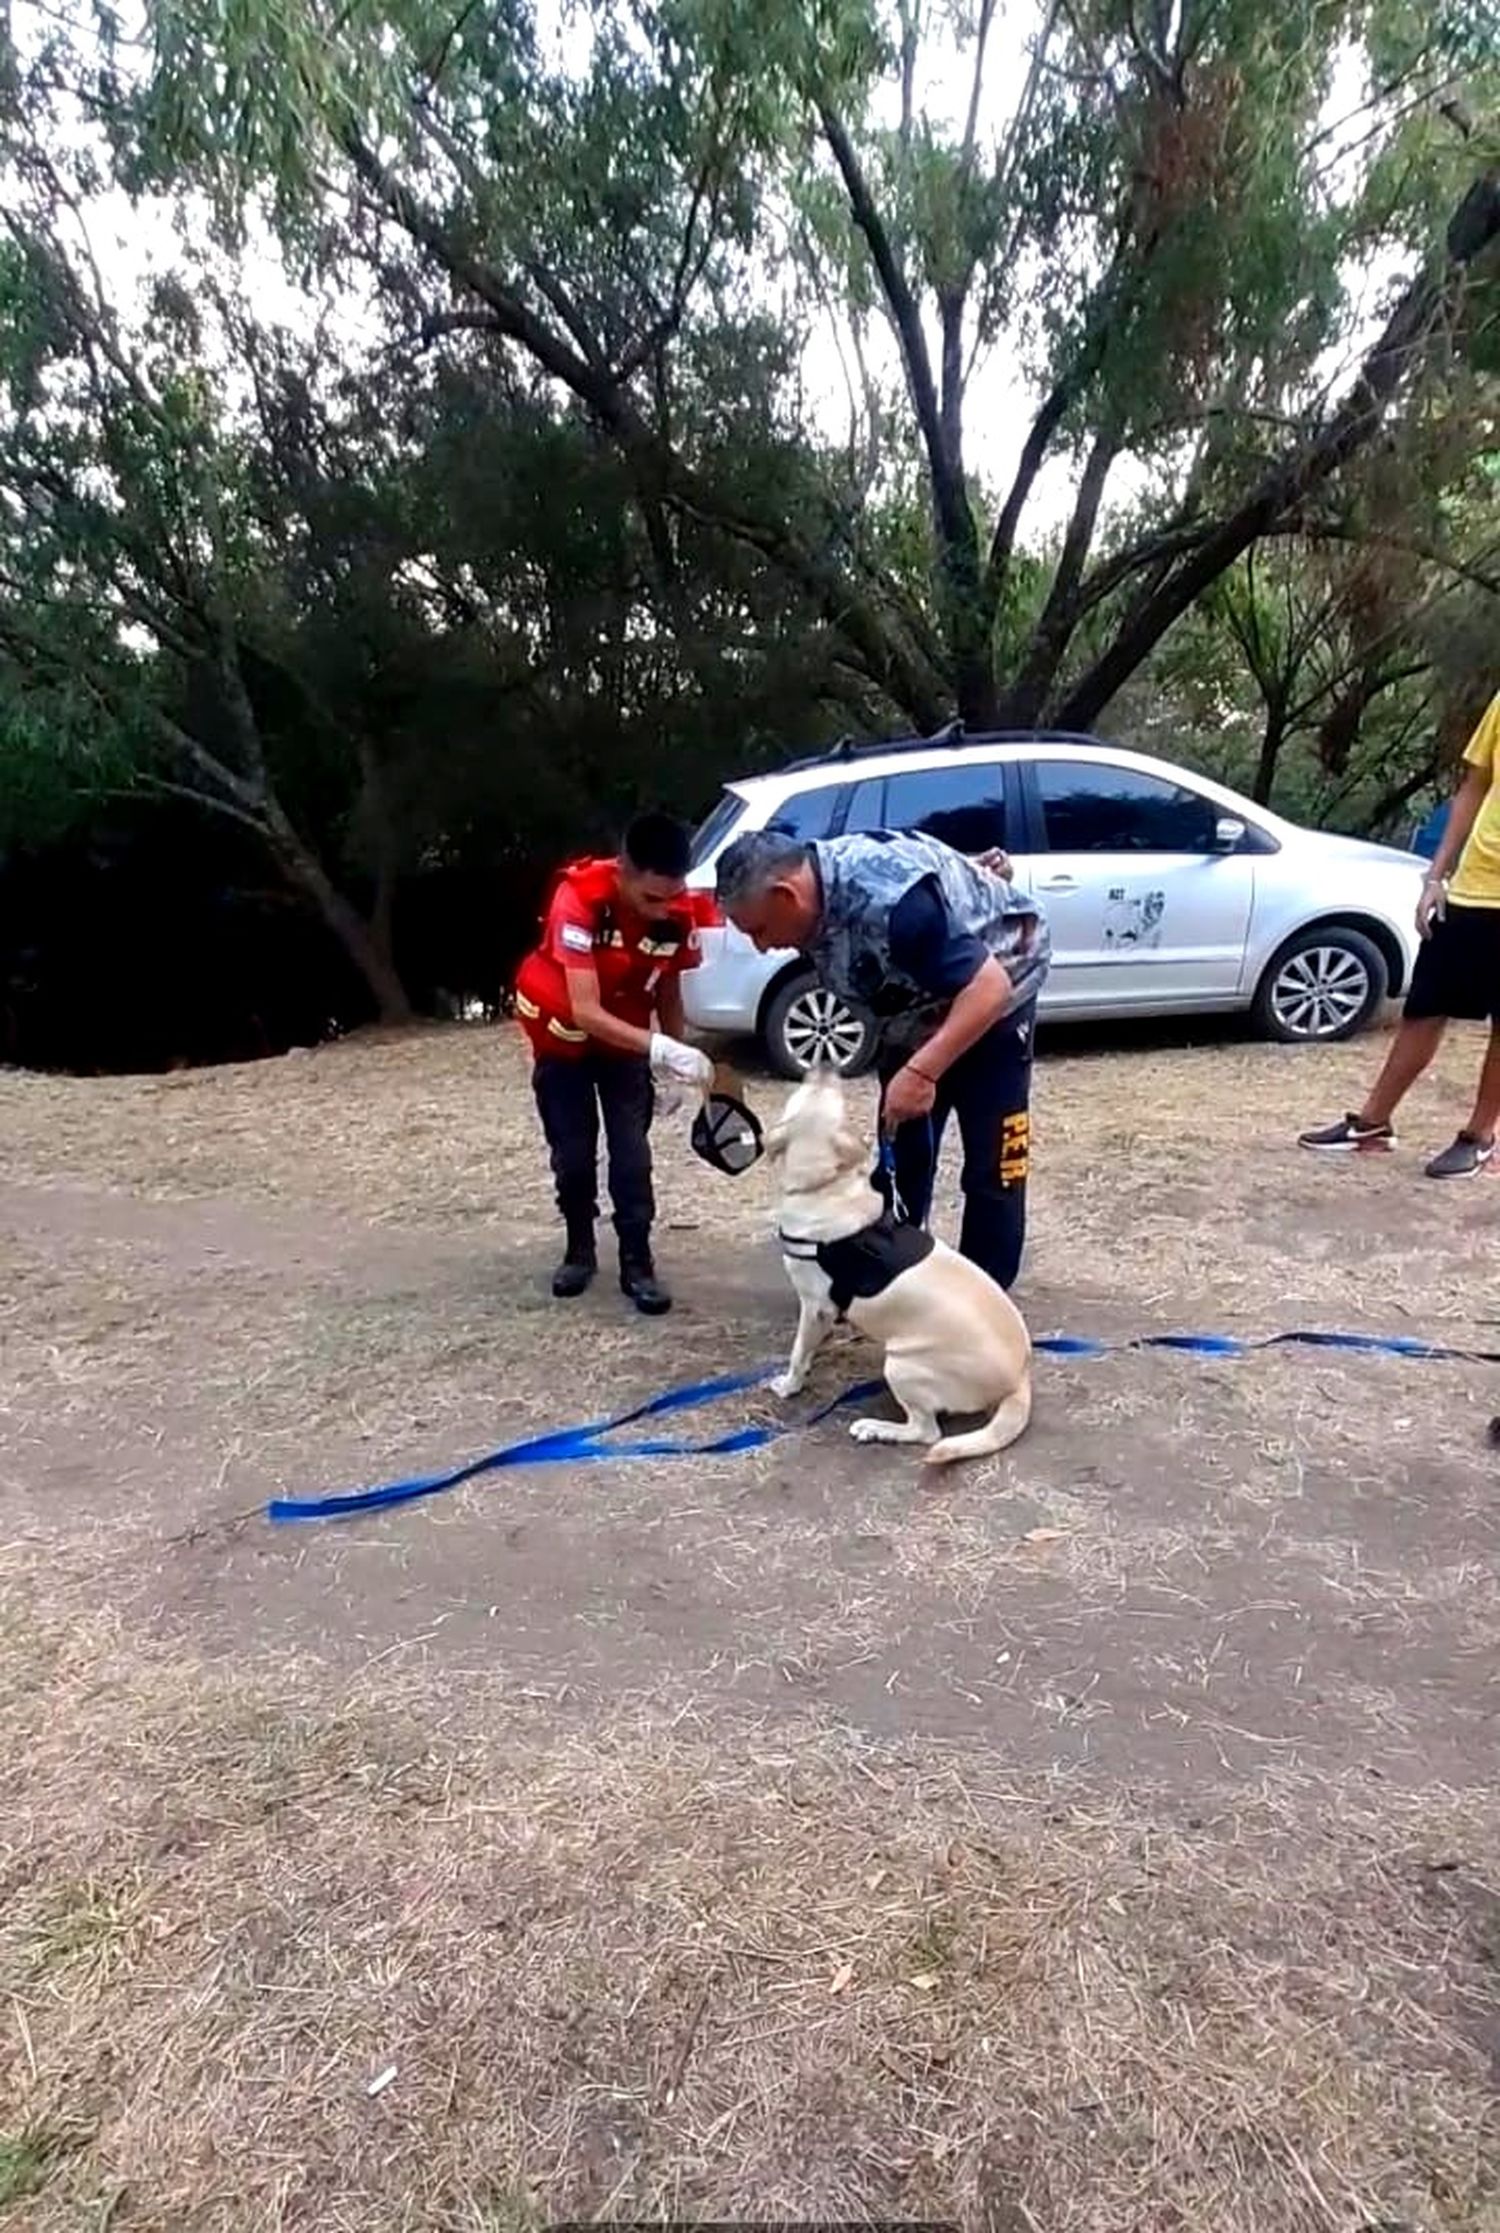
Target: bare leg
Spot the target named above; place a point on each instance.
(1416, 1042)
(1485, 1121)
(812, 1330)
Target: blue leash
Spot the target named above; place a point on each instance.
(588, 1444)
(582, 1445)
(1230, 1345)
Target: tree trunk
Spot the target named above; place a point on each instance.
(975, 695)
(1338, 731)
(380, 836)
(966, 619)
(1273, 737)
(382, 914)
(366, 946)
(365, 949)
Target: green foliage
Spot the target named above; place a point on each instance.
(58, 759)
(539, 474)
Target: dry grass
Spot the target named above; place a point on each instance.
(640, 1972)
(755, 1839)
(1147, 1159)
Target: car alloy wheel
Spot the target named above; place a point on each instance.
(818, 1026)
(1319, 992)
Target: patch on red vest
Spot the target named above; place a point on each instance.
(584, 920)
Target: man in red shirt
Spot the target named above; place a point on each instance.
(601, 1003)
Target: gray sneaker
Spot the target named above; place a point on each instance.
(1350, 1136)
(1464, 1160)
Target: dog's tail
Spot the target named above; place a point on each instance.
(1005, 1424)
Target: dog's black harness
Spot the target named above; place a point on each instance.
(863, 1266)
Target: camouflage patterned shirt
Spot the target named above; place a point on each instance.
(864, 878)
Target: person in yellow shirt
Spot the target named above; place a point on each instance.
(1457, 974)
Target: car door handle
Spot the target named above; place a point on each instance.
(1058, 884)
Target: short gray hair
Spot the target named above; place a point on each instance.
(756, 860)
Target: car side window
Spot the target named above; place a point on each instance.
(964, 806)
(1089, 807)
(866, 806)
(808, 814)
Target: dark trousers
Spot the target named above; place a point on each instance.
(988, 1089)
(569, 1099)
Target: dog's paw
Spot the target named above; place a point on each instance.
(867, 1430)
(786, 1385)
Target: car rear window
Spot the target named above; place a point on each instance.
(713, 830)
(963, 806)
(809, 814)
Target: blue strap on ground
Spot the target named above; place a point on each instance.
(588, 1444)
(1231, 1345)
(583, 1445)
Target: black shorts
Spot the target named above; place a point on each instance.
(1458, 968)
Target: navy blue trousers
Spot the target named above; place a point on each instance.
(988, 1090)
(570, 1098)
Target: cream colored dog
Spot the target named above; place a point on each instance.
(953, 1340)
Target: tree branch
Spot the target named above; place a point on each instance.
(210, 801)
(1059, 616)
(443, 322)
(889, 663)
(691, 265)
(1064, 393)
(958, 539)
(910, 34)
(1153, 551)
(559, 298)
(1020, 123)
(434, 68)
(981, 41)
(901, 303)
(1353, 425)
(951, 419)
(1470, 570)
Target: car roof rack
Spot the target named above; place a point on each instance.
(953, 733)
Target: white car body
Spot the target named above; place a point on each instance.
(1137, 931)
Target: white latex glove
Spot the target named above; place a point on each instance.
(675, 1064)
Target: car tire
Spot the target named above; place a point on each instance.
(1323, 985)
(803, 1018)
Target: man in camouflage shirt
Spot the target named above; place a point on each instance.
(949, 958)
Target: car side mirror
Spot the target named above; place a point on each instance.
(1229, 834)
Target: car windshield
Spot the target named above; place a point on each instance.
(712, 833)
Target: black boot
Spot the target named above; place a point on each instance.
(576, 1271)
(638, 1279)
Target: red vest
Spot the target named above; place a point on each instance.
(585, 923)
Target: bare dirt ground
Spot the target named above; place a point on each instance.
(1102, 1841)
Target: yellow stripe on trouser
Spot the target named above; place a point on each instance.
(1015, 1148)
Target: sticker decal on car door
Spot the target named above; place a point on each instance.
(1133, 918)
